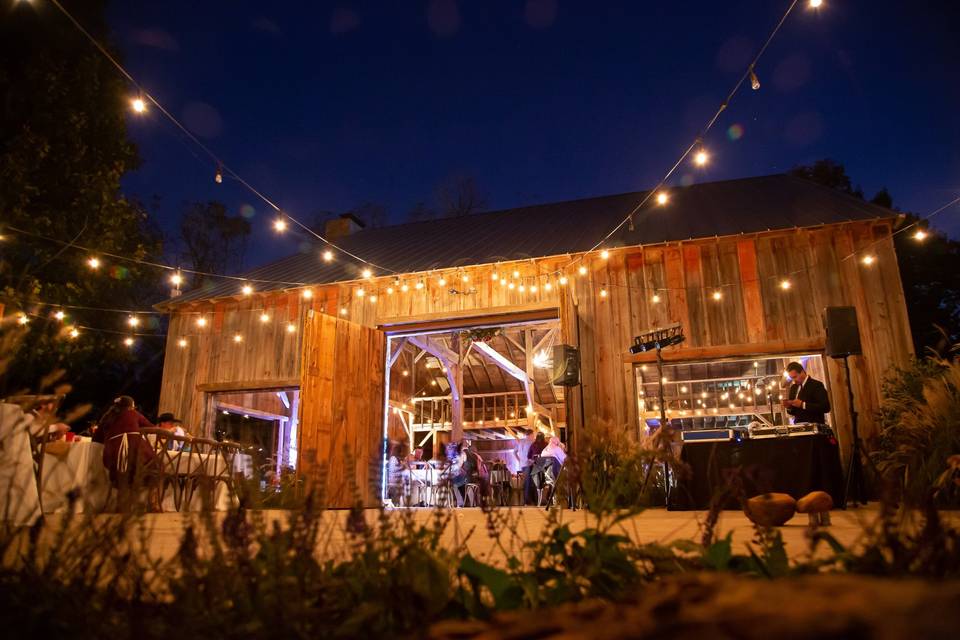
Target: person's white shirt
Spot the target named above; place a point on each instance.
(554, 449)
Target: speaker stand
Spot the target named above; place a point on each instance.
(855, 492)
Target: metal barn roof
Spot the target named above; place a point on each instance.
(730, 207)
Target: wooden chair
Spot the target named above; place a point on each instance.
(198, 472)
(226, 469)
(39, 434)
(164, 471)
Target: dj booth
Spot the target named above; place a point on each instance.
(795, 464)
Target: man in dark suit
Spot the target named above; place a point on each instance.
(808, 399)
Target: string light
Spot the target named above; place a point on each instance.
(563, 281)
(201, 321)
(511, 286)
(701, 158)
(343, 311)
(548, 286)
(361, 292)
(291, 328)
(442, 281)
(494, 276)
(868, 260)
(717, 295)
(465, 278)
(133, 321)
(655, 299)
(516, 274)
(405, 287)
(128, 342)
(280, 225)
(503, 282)
(603, 293)
(583, 270)
(74, 333)
(533, 288)
(372, 298)
(328, 256)
(419, 284)
(22, 319)
(237, 338)
(246, 289)
(604, 254)
(522, 288)
(754, 80)
(264, 318)
(662, 198)
(785, 284)
(920, 235)
(816, 4)
(218, 176)
(182, 342)
(138, 105)
(307, 294)
(389, 291)
(367, 273)
(60, 315)
(176, 279)
(93, 262)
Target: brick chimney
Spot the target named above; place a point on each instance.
(342, 226)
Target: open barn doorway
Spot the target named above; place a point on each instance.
(265, 423)
(492, 385)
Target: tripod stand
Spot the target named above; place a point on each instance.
(855, 491)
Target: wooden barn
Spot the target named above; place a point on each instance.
(318, 360)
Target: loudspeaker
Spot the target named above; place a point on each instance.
(566, 365)
(843, 333)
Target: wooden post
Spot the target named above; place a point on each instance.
(528, 383)
(455, 378)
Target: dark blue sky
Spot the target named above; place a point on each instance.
(327, 105)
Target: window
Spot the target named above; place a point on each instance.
(719, 393)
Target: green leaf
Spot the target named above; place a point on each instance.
(507, 594)
(717, 555)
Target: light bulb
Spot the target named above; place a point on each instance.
(59, 315)
(246, 289)
(816, 4)
(522, 288)
(683, 389)
(182, 342)
(128, 342)
(516, 274)
(218, 176)
(655, 299)
(389, 291)
(701, 158)
(201, 321)
(662, 198)
(405, 288)
(343, 311)
(328, 256)
(494, 276)
(264, 317)
(920, 235)
(291, 328)
(548, 286)
(367, 273)
(280, 225)
(442, 281)
(503, 282)
(419, 284)
(604, 254)
(237, 338)
(583, 270)
(133, 321)
(22, 319)
(785, 284)
(372, 298)
(603, 293)
(533, 288)
(74, 333)
(176, 279)
(307, 294)
(868, 260)
(563, 281)
(138, 105)
(717, 295)
(511, 286)
(465, 278)
(93, 263)
(361, 293)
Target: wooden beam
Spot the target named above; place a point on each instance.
(434, 348)
(806, 345)
(249, 385)
(256, 413)
(401, 343)
(500, 360)
(546, 310)
(552, 332)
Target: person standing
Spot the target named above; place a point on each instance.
(126, 453)
(807, 399)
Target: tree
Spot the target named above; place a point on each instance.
(213, 240)
(929, 269)
(63, 151)
(460, 196)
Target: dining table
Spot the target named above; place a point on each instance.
(74, 470)
(185, 462)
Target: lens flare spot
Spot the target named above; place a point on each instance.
(735, 131)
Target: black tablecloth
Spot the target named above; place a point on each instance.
(795, 465)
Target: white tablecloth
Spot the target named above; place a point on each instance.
(223, 498)
(19, 499)
(81, 470)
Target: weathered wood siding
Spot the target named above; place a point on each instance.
(754, 315)
(341, 416)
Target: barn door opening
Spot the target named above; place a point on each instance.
(341, 410)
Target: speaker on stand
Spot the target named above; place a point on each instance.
(843, 341)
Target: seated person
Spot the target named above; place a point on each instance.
(540, 441)
(174, 426)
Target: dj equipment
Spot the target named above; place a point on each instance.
(843, 333)
(566, 365)
(763, 431)
(709, 435)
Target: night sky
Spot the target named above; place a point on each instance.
(328, 105)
